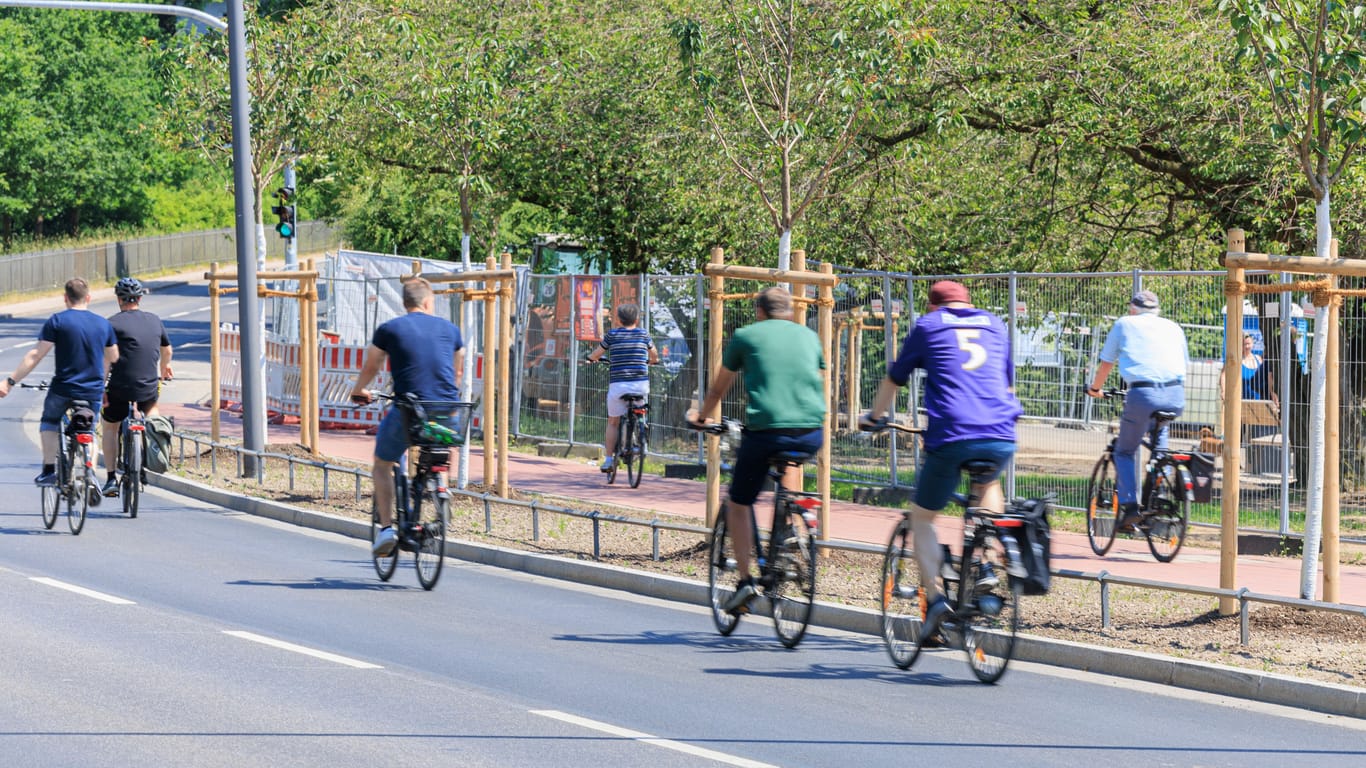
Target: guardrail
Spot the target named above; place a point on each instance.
(1105, 579)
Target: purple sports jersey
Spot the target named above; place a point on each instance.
(965, 353)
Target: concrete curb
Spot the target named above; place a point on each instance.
(1181, 673)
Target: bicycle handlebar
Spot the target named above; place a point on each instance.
(884, 424)
(716, 427)
(39, 385)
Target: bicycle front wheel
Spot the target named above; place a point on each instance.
(793, 594)
(429, 535)
(384, 566)
(52, 502)
(989, 608)
(1168, 515)
(903, 601)
(1102, 507)
(131, 481)
(721, 575)
(635, 451)
(82, 483)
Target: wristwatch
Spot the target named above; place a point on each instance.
(10, 381)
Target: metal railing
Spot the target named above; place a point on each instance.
(597, 518)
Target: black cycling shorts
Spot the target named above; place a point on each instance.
(117, 409)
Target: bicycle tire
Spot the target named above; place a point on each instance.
(52, 503)
(721, 576)
(616, 456)
(385, 566)
(903, 603)
(1102, 507)
(989, 635)
(430, 535)
(635, 453)
(1168, 516)
(132, 473)
(78, 503)
(794, 560)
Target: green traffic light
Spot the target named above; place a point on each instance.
(285, 229)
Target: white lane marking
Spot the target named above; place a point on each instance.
(646, 738)
(194, 344)
(21, 346)
(315, 653)
(81, 590)
(186, 312)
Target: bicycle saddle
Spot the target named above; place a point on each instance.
(975, 467)
(1164, 417)
(630, 398)
(78, 404)
(791, 457)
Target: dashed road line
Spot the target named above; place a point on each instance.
(81, 590)
(305, 650)
(645, 738)
(21, 346)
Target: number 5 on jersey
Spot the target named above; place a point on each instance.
(967, 341)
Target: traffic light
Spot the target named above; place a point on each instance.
(285, 212)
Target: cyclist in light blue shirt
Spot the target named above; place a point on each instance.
(1151, 354)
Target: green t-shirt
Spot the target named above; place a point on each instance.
(781, 363)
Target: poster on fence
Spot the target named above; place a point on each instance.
(588, 308)
(626, 290)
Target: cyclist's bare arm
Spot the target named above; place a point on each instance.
(26, 366)
(1098, 381)
(374, 360)
(596, 354)
(111, 356)
(720, 384)
(459, 363)
(166, 362)
(654, 356)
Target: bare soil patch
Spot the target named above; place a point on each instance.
(1317, 645)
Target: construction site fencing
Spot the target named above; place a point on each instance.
(1058, 324)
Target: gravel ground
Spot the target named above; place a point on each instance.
(1315, 645)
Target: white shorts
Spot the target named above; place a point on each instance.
(616, 407)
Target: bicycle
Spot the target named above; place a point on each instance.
(1164, 499)
(421, 529)
(787, 571)
(75, 467)
(132, 447)
(632, 433)
(985, 620)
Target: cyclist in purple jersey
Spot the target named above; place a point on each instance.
(629, 349)
(971, 410)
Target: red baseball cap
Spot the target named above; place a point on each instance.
(948, 291)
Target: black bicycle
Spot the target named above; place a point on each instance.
(434, 428)
(76, 483)
(132, 447)
(986, 618)
(1164, 499)
(632, 431)
(787, 570)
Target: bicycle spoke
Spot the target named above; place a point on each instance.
(991, 617)
(721, 575)
(794, 593)
(903, 605)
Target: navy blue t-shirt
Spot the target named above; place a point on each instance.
(965, 353)
(79, 337)
(421, 350)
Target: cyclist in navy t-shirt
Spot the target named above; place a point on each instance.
(424, 352)
(629, 349)
(971, 410)
(86, 349)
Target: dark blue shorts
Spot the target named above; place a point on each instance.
(940, 472)
(751, 460)
(55, 405)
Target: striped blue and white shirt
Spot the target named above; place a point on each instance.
(628, 351)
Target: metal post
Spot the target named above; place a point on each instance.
(466, 373)
(573, 353)
(700, 357)
(891, 346)
(1013, 326)
(1287, 349)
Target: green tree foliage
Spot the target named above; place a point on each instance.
(78, 97)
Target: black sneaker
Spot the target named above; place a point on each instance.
(987, 579)
(745, 591)
(46, 480)
(111, 488)
(1129, 517)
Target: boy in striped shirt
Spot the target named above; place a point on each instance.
(629, 350)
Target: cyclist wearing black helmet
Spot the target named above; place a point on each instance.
(134, 378)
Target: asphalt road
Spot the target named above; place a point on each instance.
(193, 636)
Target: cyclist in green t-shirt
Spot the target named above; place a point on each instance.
(781, 362)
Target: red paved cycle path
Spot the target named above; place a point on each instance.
(579, 479)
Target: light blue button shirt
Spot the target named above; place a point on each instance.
(1147, 347)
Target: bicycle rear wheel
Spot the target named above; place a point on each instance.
(635, 451)
(78, 503)
(903, 604)
(1168, 515)
(989, 608)
(429, 535)
(616, 457)
(721, 575)
(793, 594)
(52, 502)
(1102, 507)
(131, 481)
(385, 566)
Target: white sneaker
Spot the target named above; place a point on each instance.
(607, 463)
(385, 542)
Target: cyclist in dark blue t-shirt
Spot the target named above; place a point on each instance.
(629, 349)
(424, 352)
(86, 349)
(971, 411)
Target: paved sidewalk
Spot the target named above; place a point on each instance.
(580, 479)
